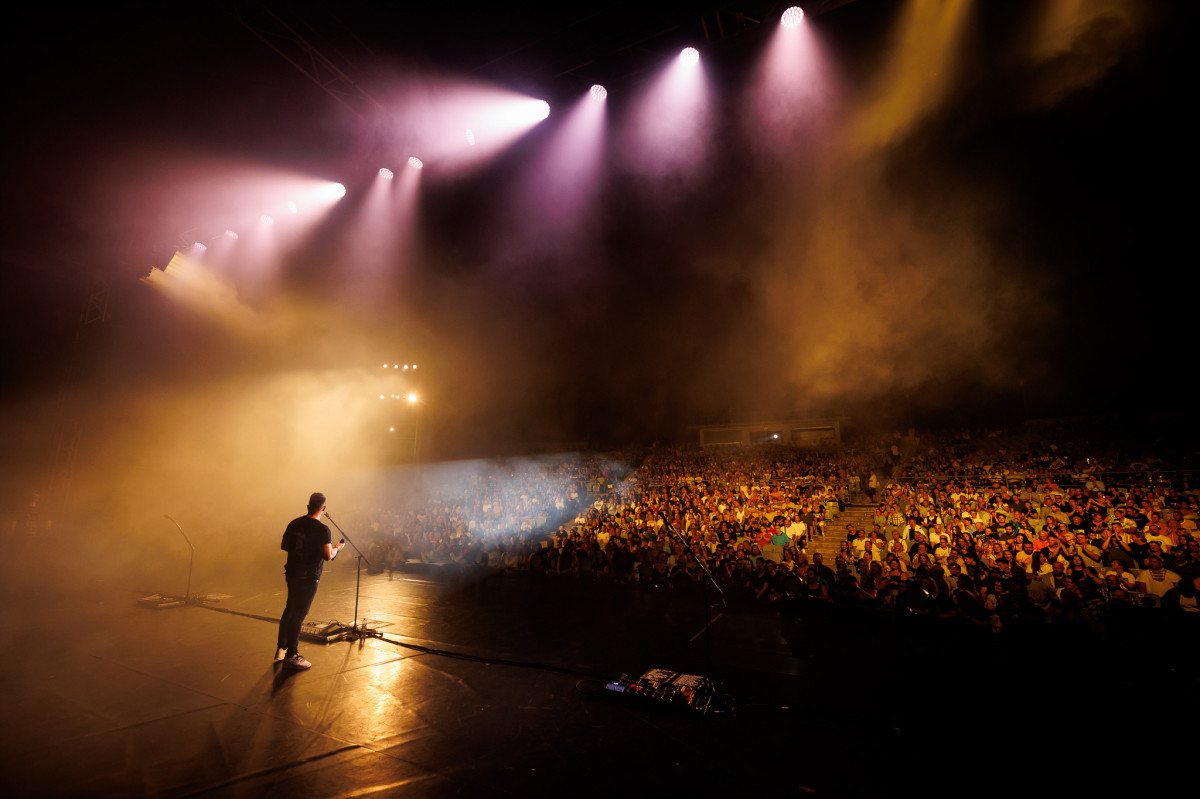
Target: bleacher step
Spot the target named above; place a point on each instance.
(859, 515)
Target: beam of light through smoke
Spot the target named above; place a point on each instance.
(917, 75)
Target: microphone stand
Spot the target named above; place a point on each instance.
(163, 601)
(191, 559)
(354, 629)
(708, 575)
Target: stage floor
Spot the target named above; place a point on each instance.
(105, 698)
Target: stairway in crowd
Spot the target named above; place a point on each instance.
(835, 531)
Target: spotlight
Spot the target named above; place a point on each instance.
(385, 366)
(381, 396)
(406, 367)
(411, 398)
(598, 93)
(291, 206)
(541, 110)
(470, 137)
(415, 162)
(386, 173)
(334, 191)
(267, 220)
(792, 17)
(230, 234)
(200, 247)
(690, 56)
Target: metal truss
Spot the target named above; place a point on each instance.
(293, 48)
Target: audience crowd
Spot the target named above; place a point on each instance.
(492, 517)
(997, 530)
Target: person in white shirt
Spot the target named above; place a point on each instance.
(912, 530)
(1154, 580)
(1154, 533)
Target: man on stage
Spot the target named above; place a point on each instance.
(309, 544)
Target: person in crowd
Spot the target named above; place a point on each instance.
(1155, 581)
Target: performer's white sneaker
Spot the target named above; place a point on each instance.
(280, 653)
(296, 662)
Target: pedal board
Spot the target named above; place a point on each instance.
(672, 689)
(330, 632)
(325, 632)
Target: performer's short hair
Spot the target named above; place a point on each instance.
(316, 501)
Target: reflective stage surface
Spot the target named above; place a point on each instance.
(109, 699)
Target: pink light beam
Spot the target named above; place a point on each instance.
(668, 131)
(792, 96)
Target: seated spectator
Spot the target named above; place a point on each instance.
(1127, 579)
(813, 587)
(823, 571)
(1189, 593)
(1154, 580)
(1184, 559)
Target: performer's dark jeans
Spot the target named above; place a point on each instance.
(301, 590)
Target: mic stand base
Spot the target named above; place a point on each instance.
(165, 601)
(361, 632)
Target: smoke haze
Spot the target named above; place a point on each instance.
(952, 209)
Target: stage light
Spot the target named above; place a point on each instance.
(690, 56)
(386, 173)
(391, 429)
(267, 220)
(385, 366)
(470, 138)
(334, 191)
(406, 367)
(792, 17)
(541, 110)
(598, 93)
(415, 162)
(395, 366)
(411, 398)
(292, 209)
(230, 234)
(199, 246)
(381, 396)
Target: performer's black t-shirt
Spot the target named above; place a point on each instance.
(307, 538)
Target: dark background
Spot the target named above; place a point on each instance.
(1030, 258)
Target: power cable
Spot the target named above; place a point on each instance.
(428, 650)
